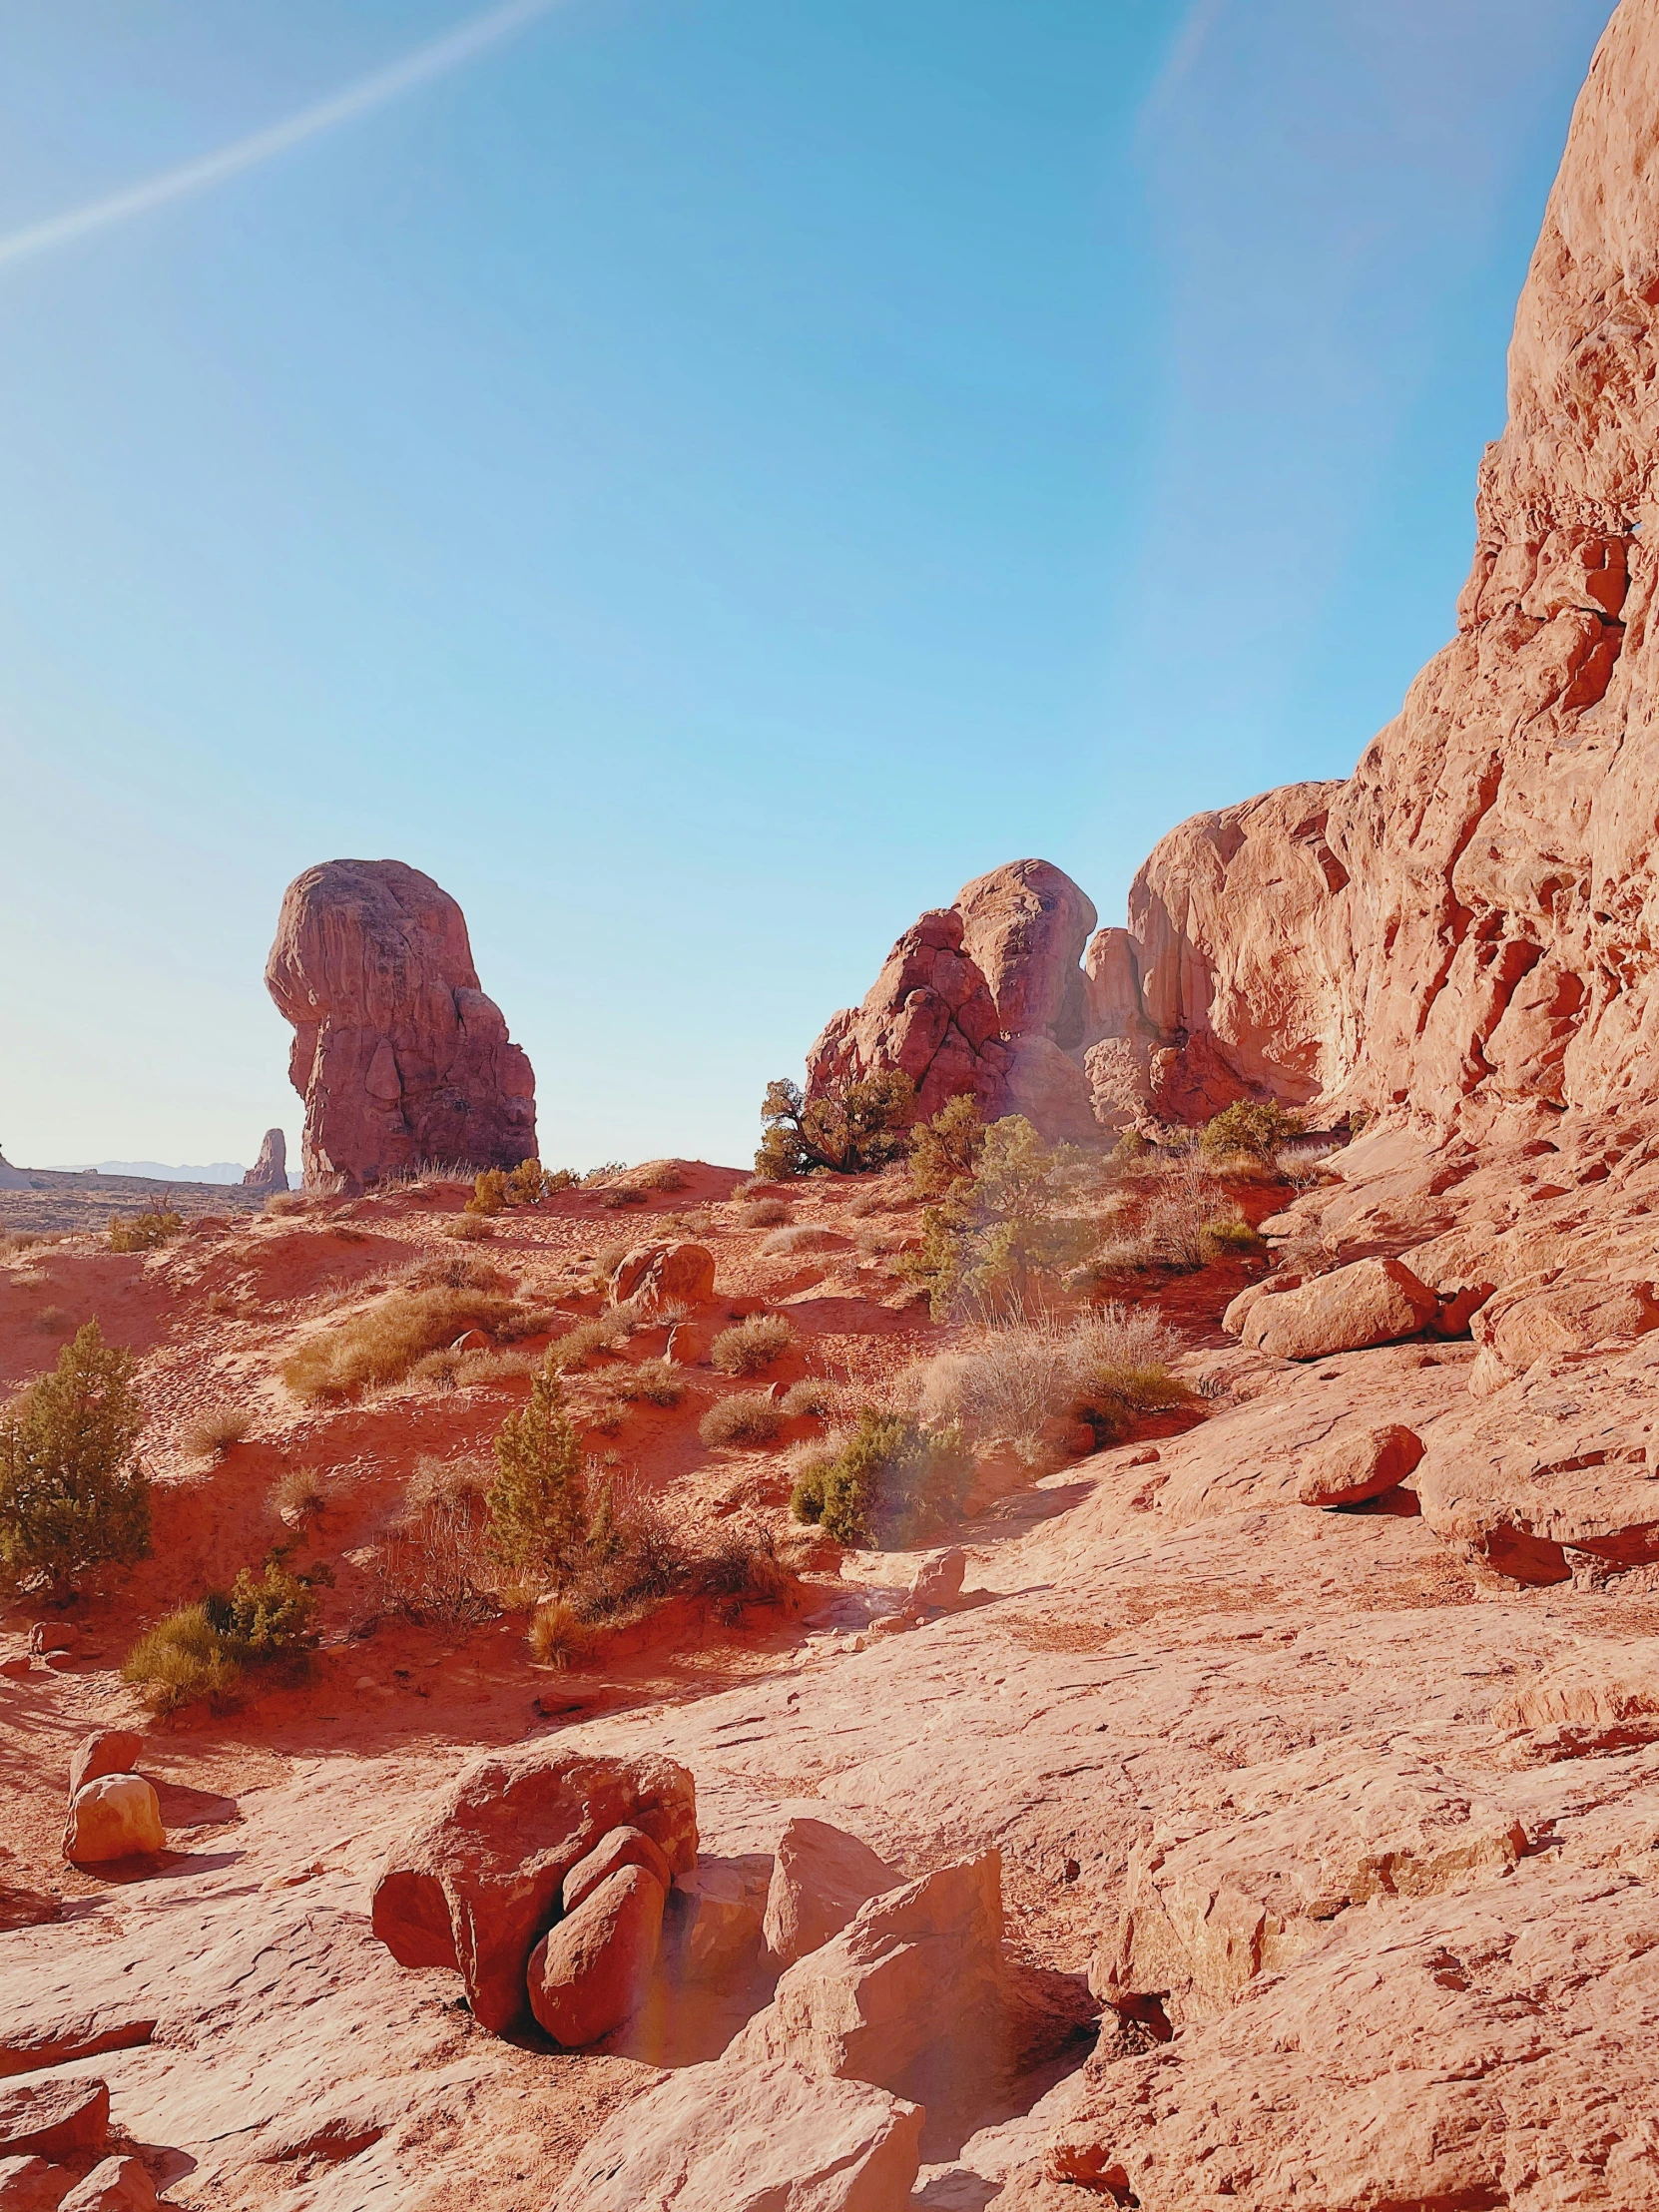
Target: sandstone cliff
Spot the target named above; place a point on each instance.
(399, 1055)
(1461, 931)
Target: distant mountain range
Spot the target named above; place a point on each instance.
(216, 1171)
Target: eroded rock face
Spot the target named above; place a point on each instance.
(270, 1171)
(397, 1055)
(984, 998)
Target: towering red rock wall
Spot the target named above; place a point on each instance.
(1461, 931)
(397, 1055)
(1462, 928)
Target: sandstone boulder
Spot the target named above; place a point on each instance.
(1240, 1309)
(820, 1880)
(937, 1582)
(1359, 1463)
(47, 1636)
(1370, 1301)
(52, 2119)
(715, 1914)
(270, 1172)
(32, 2184)
(117, 1817)
(116, 2185)
(766, 2138)
(910, 1996)
(105, 1751)
(477, 1880)
(399, 1055)
(623, 1847)
(590, 1970)
(664, 1274)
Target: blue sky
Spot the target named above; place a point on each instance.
(704, 478)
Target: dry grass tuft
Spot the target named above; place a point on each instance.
(51, 1320)
(296, 1495)
(659, 1175)
(381, 1345)
(435, 1565)
(814, 1397)
(748, 1419)
(467, 1229)
(213, 1433)
(762, 1213)
(806, 1237)
(285, 1202)
(1008, 1383)
(750, 1347)
(600, 1332)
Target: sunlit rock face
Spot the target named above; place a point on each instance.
(397, 1053)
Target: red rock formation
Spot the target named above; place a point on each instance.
(397, 1053)
(270, 1171)
(984, 997)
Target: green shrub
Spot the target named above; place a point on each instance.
(994, 1237)
(264, 1623)
(1253, 1126)
(750, 1347)
(538, 1502)
(143, 1232)
(72, 1496)
(891, 1481)
(1116, 1397)
(746, 1417)
(852, 1130)
(1232, 1235)
(946, 1149)
(527, 1184)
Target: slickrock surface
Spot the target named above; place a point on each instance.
(399, 1055)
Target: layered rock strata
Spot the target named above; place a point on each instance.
(397, 1053)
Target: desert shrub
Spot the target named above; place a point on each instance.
(435, 1565)
(814, 1397)
(603, 1173)
(660, 1175)
(1007, 1381)
(490, 1192)
(1231, 1234)
(51, 1321)
(182, 1660)
(538, 1502)
(382, 1344)
(264, 1622)
(297, 1494)
(285, 1202)
(1119, 1395)
(741, 1568)
(852, 1130)
(891, 1481)
(762, 1212)
(1303, 1164)
(946, 1149)
(615, 1196)
(599, 1333)
(992, 1238)
(883, 1199)
(213, 1435)
(746, 1417)
(561, 1179)
(143, 1232)
(632, 1558)
(652, 1382)
(1131, 1149)
(750, 1347)
(558, 1636)
(806, 1237)
(526, 1184)
(72, 1496)
(467, 1229)
(1253, 1126)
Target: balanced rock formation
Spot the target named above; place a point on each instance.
(270, 1171)
(399, 1055)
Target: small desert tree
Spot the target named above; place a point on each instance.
(72, 1496)
(538, 1502)
(852, 1129)
(946, 1149)
(993, 1234)
(1255, 1126)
